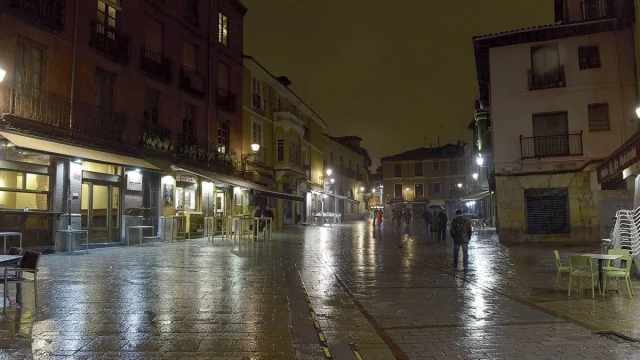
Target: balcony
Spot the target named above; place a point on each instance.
(155, 64)
(597, 9)
(257, 104)
(547, 80)
(192, 81)
(551, 146)
(156, 137)
(103, 123)
(34, 104)
(225, 99)
(110, 41)
(47, 14)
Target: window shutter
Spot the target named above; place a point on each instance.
(547, 211)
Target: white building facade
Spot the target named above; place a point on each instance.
(561, 98)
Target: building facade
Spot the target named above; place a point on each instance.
(561, 98)
(127, 115)
(349, 165)
(289, 137)
(423, 177)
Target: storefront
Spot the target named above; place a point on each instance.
(47, 186)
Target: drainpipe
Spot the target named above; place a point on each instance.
(622, 115)
(71, 103)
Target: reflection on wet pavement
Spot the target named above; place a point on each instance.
(390, 293)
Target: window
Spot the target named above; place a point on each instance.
(190, 55)
(280, 103)
(397, 170)
(37, 197)
(223, 75)
(436, 188)
(453, 167)
(29, 64)
(151, 106)
(305, 157)
(547, 211)
(107, 15)
(397, 190)
(189, 121)
(191, 11)
(419, 190)
(256, 132)
(349, 164)
(418, 169)
(154, 34)
(256, 87)
(280, 150)
(546, 71)
(223, 29)
(436, 165)
(223, 136)
(103, 89)
(294, 157)
(331, 158)
(599, 117)
(340, 161)
(550, 136)
(589, 57)
(595, 9)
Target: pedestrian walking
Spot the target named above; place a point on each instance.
(379, 218)
(461, 234)
(426, 216)
(375, 215)
(407, 217)
(442, 226)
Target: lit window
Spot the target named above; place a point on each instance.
(223, 28)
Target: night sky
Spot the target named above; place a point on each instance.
(390, 71)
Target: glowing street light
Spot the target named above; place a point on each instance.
(480, 160)
(475, 176)
(637, 109)
(255, 147)
(332, 180)
(407, 189)
(361, 188)
(460, 185)
(329, 172)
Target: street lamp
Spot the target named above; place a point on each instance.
(637, 109)
(332, 180)
(362, 188)
(475, 176)
(255, 147)
(460, 185)
(480, 160)
(3, 72)
(329, 172)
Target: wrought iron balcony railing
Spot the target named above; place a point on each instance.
(539, 80)
(110, 41)
(155, 136)
(258, 104)
(192, 81)
(31, 103)
(550, 146)
(225, 99)
(156, 64)
(47, 14)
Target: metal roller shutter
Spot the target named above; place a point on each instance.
(547, 211)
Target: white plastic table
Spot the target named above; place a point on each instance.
(74, 231)
(141, 230)
(7, 234)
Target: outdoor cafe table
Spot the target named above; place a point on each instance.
(601, 259)
(7, 234)
(7, 260)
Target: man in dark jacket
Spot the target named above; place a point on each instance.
(461, 234)
(268, 213)
(442, 226)
(426, 216)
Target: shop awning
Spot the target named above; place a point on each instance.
(71, 151)
(625, 156)
(479, 196)
(257, 190)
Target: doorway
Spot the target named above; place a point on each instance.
(100, 211)
(288, 212)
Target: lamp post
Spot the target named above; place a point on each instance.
(327, 181)
(255, 147)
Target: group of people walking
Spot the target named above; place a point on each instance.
(459, 229)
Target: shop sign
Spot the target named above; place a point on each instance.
(186, 178)
(621, 160)
(134, 181)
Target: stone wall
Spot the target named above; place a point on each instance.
(584, 209)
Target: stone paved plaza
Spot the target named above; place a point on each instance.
(372, 293)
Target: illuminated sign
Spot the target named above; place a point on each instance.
(620, 160)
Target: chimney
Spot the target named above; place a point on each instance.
(284, 80)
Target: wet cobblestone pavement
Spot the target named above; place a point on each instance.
(349, 291)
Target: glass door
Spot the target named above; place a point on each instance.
(100, 212)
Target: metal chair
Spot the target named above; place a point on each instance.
(28, 264)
